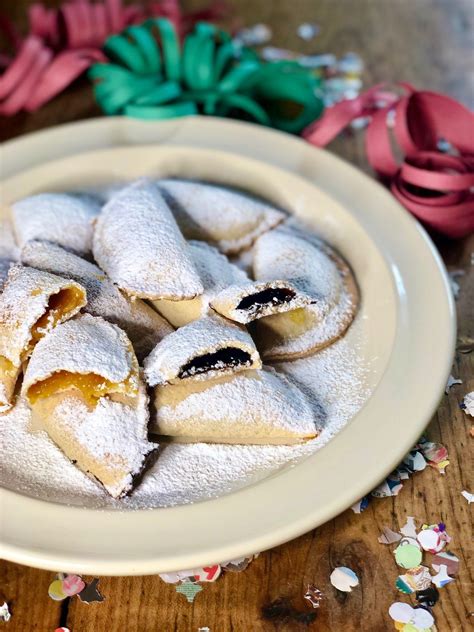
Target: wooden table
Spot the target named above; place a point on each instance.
(426, 42)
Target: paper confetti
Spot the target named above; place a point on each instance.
(55, 590)
(255, 35)
(452, 381)
(442, 578)
(361, 505)
(409, 529)
(468, 496)
(189, 590)
(313, 595)
(344, 579)
(206, 629)
(388, 536)
(427, 597)
(401, 612)
(408, 556)
(435, 454)
(5, 614)
(455, 287)
(205, 574)
(418, 618)
(308, 30)
(62, 630)
(236, 566)
(417, 578)
(429, 540)
(73, 585)
(450, 560)
(468, 404)
(91, 593)
(422, 618)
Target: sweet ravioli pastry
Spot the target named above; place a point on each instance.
(67, 220)
(215, 272)
(250, 301)
(32, 303)
(138, 244)
(143, 325)
(315, 269)
(202, 350)
(84, 389)
(208, 212)
(253, 407)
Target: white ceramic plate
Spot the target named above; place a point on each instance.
(406, 319)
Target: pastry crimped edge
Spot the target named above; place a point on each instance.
(351, 294)
(275, 387)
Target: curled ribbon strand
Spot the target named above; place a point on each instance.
(435, 186)
(63, 43)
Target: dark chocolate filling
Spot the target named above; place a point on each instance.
(272, 296)
(229, 357)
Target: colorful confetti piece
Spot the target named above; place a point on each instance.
(189, 590)
(409, 529)
(55, 590)
(62, 630)
(429, 540)
(442, 578)
(344, 579)
(5, 614)
(388, 536)
(236, 566)
(452, 381)
(468, 496)
(408, 556)
(313, 595)
(91, 593)
(450, 560)
(428, 597)
(308, 31)
(401, 612)
(73, 585)
(416, 619)
(417, 578)
(361, 505)
(468, 404)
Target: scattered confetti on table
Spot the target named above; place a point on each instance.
(55, 590)
(5, 614)
(344, 579)
(91, 593)
(73, 585)
(62, 630)
(189, 590)
(418, 618)
(468, 404)
(452, 381)
(468, 496)
(313, 595)
(428, 596)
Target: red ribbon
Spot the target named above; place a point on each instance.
(64, 42)
(437, 187)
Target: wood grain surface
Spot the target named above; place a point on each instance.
(426, 42)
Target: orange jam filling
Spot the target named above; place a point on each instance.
(91, 386)
(6, 367)
(59, 305)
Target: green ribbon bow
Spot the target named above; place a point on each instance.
(151, 76)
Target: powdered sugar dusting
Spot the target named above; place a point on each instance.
(58, 217)
(212, 213)
(334, 380)
(139, 245)
(143, 325)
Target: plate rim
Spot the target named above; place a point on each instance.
(116, 128)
